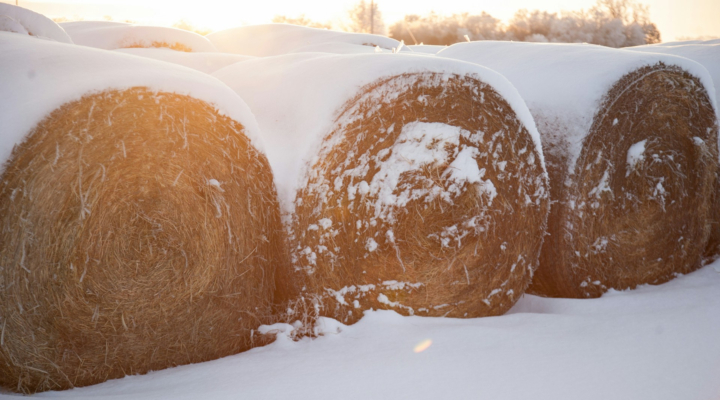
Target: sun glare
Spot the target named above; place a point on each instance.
(422, 346)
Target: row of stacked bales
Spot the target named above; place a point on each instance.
(140, 226)
(278, 39)
(631, 143)
(170, 45)
(142, 229)
(408, 183)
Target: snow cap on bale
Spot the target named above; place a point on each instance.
(707, 54)
(111, 36)
(21, 20)
(140, 223)
(631, 142)
(203, 62)
(342, 48)
(426, 48)
(276, 39)
(36, 87)
(408, 182)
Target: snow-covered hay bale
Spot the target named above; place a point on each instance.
(707, 54)
(409, 183)
(203, 62)
(631, 144)
(276, 39)
(140, 226)
(23, 21)
(111, 36)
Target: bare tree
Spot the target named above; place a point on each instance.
(613, 23)
(437, 29)
(365, 17)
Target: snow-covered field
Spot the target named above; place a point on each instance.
(655, 342)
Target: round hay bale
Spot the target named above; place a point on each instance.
(25, 22)
(277, 39)
(421, 188)
(140, 229)
(631, 144)
(706, 53)
(111, 36)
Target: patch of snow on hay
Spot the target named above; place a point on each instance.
(419, 145)
(635, 154)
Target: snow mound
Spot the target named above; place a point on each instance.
(426, 48)
(276, 39)
(111, 36)
(296, 98)
(686, 42)
(23, 21)
(655, 342)
(203, 62)
(39, 76)
(564, 84)
(72, 27)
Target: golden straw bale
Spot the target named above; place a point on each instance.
(443, 247)
(632, 205)
(651, 219)
(140, 231)
(706, 53)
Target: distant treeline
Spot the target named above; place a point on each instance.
(613, 23)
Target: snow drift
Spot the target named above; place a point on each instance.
(631, 144)
(140, 222)
(409, 183)
(276, 39)
(426, 48)
(23, 21)
(203, 62)
(706, 53)
(117, 35)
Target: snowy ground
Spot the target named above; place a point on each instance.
(656, 342)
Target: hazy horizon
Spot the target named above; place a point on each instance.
(674, 19)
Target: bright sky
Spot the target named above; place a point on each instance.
(674, 18)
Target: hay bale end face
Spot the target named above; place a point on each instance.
(640, 197)
(139, 231)
(706, 53)
(428, 198)
(631, 147)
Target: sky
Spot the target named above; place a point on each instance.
(675, 19)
